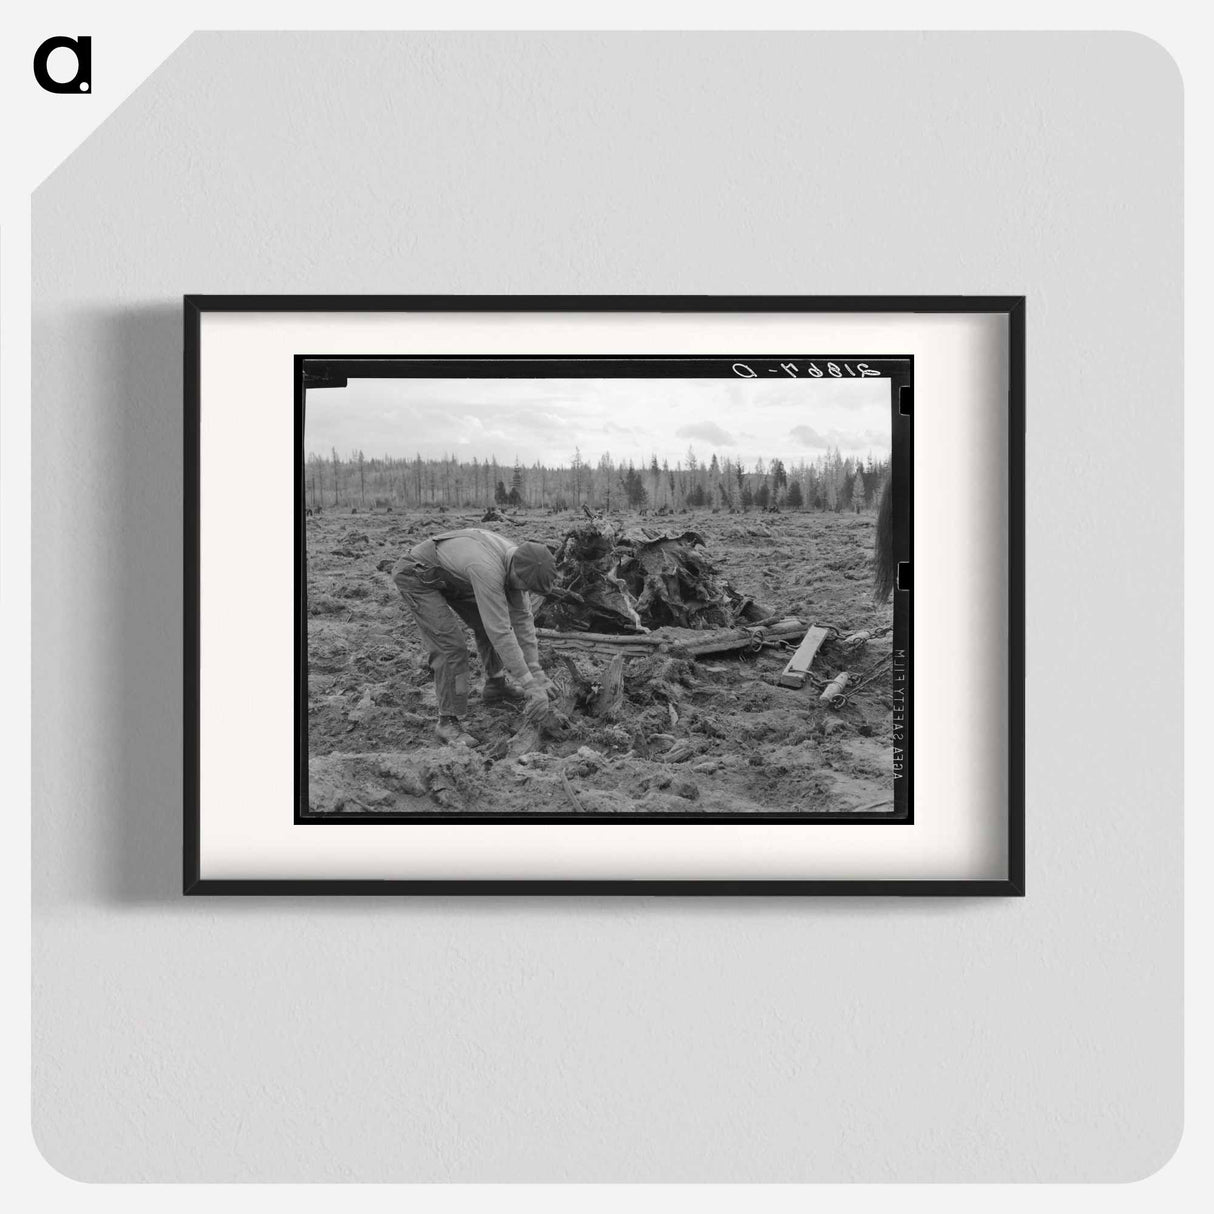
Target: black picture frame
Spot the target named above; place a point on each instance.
(1012, 307)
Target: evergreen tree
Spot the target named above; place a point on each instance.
(606, 475)
(576, 475)
(633, 485)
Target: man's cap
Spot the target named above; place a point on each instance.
(534, 566)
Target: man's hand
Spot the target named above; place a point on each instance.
(542, 680)
(536, 708)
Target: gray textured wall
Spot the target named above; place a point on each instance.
(629, 1039)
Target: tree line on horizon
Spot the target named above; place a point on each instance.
(832, 482)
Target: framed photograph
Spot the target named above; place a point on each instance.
(604, 594)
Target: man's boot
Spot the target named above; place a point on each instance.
(498, 691)
(450, 731)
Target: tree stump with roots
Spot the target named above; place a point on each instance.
(610, 698)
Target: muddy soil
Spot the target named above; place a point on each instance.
(715, 735)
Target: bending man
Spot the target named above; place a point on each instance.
(481, 578)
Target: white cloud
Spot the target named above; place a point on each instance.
(709, 432)
(807, 436)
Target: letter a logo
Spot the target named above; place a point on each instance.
(82, 81)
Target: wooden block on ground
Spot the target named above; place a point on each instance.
(797, 670)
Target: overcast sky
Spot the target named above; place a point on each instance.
(545, 419)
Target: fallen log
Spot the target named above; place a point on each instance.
(590, 649)
(687, 642)
(728, 640)
(626, 638)
(603, 644)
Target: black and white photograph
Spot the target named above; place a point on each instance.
(548, 589)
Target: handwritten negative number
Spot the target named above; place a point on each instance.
(813, 370)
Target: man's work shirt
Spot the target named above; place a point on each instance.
(475, 565)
